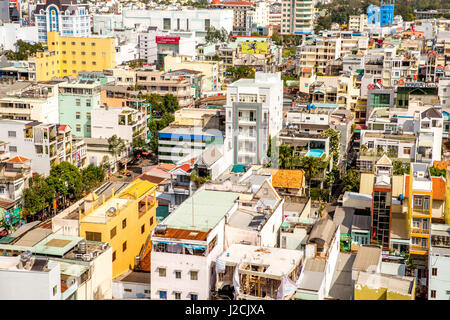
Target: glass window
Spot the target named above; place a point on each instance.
(163, 294)
(162, 272)
(194, 275)
(124, 246)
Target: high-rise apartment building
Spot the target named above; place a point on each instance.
(297, 17)
(68, 17)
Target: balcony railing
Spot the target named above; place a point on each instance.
(418, 249)
(420, 231)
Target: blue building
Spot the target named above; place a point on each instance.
(373, 14)
(383, 16)
(386, 14)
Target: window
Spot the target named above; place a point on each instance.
(74, 62)
(83, 53)
(73, 43)
(406, 150)
(162, 272)
(63, 43)
(103, 54)
(177, 295)
(83, 62)
(147, 291)
(151, 221)
(93, 236)
(417, 201)
(207, 24)
(194, 296)
(88, 128)
(88, 102)
(113, 232)
(93, 53)
(11, 134)
(78, 102)
(78, 115)
(94, 63)
(93, 44)
(128, 290)
(433, 293)
(88, 116)
(124, 223)
(78, 128)
(55, 290)
(434, 271)
(163, 294)
(114, 256)
(124, 246)
(194, 275)
(178, 274)
(166, 23)
(143, 228)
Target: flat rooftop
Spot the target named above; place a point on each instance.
(278, 261)
(202, 211)
(246, 219)
(56, 245)
(397, 284)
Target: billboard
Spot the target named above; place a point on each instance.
(254, 47)
(167, 40)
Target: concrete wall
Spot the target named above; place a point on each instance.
(130, 290)
(440, 282)
(29, 285)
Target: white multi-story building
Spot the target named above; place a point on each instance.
(31, 279)
(198, 21)
(444, 92)
(125, 123)
(44, 144)
(297, 17)
(35, 102)
(147, 45)
(439, 263)
(261, 15)
(10, 33)
(253, 114)
(70, 19)
(275, 18)
(357, 22)
(185, 245)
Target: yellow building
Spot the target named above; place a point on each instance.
(419, 190)
(82, 53)
(45, 64)
(125, 221)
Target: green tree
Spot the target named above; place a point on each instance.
(334, 138)
(24, 50)
(170, 103)
(116, 146)
(437, 172)
(66, 180)
(351, 180)
(276, 39)
(138, 143)
(92, 176)
(323, 23)
(38, 195)
(312, 167)
(399, 167)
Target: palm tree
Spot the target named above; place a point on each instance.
(116, 146)
(312, 166)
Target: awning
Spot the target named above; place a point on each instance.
(425, 143)
(18, 159)
(306, 70)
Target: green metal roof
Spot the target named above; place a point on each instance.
(208, 208)
(42, 248)
(71, 269)
(6, 239)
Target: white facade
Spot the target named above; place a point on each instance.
(173, 263)
(10, 33)
(444, 92)
(23, 284)
(126, 52)
(187, 20)
(274, 18)
(39, 104)
(73, 21)
(147, 45)
(439, 278)
(42, 148)
(253, 113)
(357, 22)
(123, 122)
(261, 15)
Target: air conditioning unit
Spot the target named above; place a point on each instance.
(105, 246)
(86, 257)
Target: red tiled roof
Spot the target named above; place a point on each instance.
(185, 167)
(145, 262)
(237, 3)
(62, 127)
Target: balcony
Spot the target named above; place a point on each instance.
(421, 213)
(420, 250)
(420, 231)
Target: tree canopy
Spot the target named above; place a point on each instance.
(24, 50)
